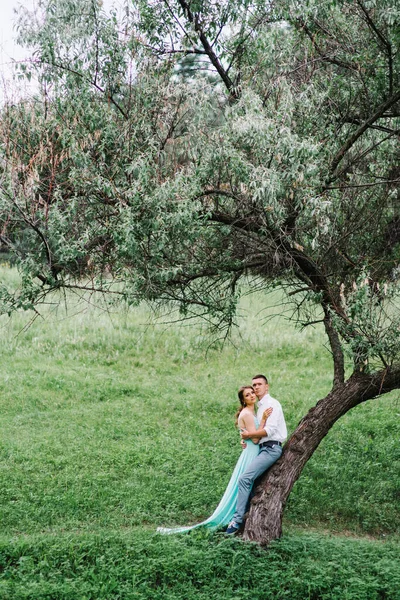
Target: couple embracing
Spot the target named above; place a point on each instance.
(263, 433)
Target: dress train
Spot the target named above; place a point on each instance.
(225, 510)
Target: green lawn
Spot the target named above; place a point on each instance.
(110, 427)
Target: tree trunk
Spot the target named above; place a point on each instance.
(264, 522)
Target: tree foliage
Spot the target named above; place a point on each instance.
(280, 165)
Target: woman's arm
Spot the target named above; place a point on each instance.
(246, 423)
(264, 417)
(251, 432)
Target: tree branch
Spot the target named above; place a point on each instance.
(194, 19)
(337, 350)
(382, 382)
(308, 271)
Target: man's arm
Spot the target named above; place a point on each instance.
(271, 427)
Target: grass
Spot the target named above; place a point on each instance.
(110, 427)
(146, 566)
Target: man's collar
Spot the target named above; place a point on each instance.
(263, 398)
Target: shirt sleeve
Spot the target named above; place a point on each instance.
(271, 426)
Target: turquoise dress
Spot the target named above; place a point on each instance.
(224, 512)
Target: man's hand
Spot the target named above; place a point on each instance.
(244, 434)
(243, 444)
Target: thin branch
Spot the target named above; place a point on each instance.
(356, 121)
(86, 288)
(93, 83)
(310, 323)
(36, 229)
(367, 151)
(385, 43)
(172, 13)
(173, 124)
(97, 44)
(303, 289)
(239, 48)
(173, 51)
(6, 242)
(362, 185)
(324, 56)
(217, 192)
(359, 132)
(218, 34)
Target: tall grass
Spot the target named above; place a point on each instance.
(144, 566)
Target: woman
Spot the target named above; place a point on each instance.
(245, 419)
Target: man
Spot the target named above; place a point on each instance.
(271, 439)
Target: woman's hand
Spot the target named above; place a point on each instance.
(267, 413)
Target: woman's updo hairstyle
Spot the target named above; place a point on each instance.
(241, 400)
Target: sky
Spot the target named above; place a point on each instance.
(8, 48)
(10, 51)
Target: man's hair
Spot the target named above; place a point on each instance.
(260, 377)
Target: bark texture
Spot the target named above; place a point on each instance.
(264, 522)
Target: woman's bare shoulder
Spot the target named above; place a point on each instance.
(245, 415)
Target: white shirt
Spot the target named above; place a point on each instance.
(275, 426)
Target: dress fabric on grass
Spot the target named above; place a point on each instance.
(223, 514)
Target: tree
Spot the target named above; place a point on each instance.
(280, 168)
